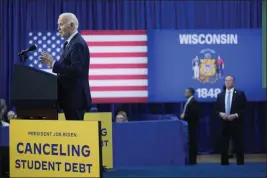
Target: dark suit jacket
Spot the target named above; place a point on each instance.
(73, 70)
(4, 117)
(238, 105)
(191, 114)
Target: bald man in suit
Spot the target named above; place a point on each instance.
(230, 107)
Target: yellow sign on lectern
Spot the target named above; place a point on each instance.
(106, 134)
(55, 149)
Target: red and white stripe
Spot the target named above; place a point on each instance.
(118, 65)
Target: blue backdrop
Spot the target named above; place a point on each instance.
(200, 59)
(18, 17)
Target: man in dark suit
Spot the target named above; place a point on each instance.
(73, 68)
(230, 106)
(191, 115)
(231, 143)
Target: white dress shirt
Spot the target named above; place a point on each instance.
(188, 100)
(231, 93)
(71, 36)
(226, 96)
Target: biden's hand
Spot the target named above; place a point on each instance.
(47, 59)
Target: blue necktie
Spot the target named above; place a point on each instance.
(64, 47)
(65, 44)
(228, 103)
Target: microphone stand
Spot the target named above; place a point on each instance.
(23, 56)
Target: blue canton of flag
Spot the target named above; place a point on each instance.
(50, 42)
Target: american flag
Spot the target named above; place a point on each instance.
(118, 64)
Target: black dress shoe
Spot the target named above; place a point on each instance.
(224, 164)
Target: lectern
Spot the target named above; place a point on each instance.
(34, 93)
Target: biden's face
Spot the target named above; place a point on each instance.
(64, 27)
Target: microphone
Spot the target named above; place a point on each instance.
(31, 48)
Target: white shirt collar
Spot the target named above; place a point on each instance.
(231, 90)
(189, 99)
(71, 36)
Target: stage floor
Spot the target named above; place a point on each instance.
(208, 166)
(249, 170)
(249, 158)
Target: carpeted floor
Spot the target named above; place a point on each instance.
(215, 158)
(214, 170)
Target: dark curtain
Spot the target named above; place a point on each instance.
(21, 16)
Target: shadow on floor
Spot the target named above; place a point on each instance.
(255, 170)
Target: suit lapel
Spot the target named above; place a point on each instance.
(65, 51)
(191, 100)
(187, 104)
(71, 41)
(223, 100)
(62, 54)
(233, 99)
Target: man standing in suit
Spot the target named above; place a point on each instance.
(191, 115)
(230, 106)
(72, 69)
(231, 143)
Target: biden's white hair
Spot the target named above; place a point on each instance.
(71, 18)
